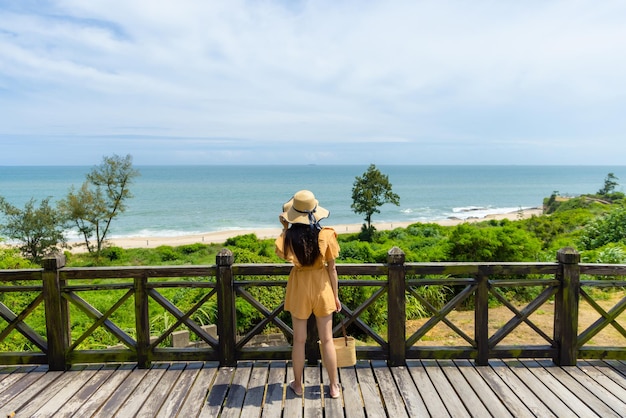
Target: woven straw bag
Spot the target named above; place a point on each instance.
(345, 347)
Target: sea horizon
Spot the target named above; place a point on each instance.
(175, 200)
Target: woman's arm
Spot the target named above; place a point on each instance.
(280, 241)
(334, 282)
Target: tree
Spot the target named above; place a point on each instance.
(610, 182)
(38, 229)
(369, 192)
(101, 198)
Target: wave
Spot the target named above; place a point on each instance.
(427, 214)
(468, 212)
(470, 208)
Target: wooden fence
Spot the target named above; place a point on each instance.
(57, 291)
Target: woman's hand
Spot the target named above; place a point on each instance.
(337, 304)
(283, 221)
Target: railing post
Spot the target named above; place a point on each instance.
(481, 319)
(226, 317)
(566, 308)
(396, 307)
(57, 317)
(142, 322)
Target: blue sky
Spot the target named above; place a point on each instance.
(315, 82)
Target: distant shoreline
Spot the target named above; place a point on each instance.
(219, 237)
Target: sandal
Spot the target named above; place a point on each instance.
(330, 391)
(293, 389)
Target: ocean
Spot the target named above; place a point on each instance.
(184, 200)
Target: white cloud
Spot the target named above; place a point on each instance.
(333, 72)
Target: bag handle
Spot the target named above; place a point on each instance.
(345, 336)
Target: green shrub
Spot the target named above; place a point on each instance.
(166, 253)
(437, 296)
(113, 253)
(367, 233)
(10, 258)
(247, 316)
(248, 242)
(192, 248)
(356, 251)
(502, 243)
(604, 230)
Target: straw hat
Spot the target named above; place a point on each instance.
(303, 208)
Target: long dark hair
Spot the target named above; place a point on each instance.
(303, 241)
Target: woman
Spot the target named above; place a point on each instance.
(312, 285)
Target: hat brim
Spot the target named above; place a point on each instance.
(287, 205)
(294, 217)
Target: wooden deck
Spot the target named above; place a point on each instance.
(438, 388)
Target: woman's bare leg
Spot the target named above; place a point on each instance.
(297, 351)
(325, 331)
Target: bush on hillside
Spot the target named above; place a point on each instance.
(475, 242)
(604, 230)
(10, 258)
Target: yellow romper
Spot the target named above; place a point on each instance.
(308, 288)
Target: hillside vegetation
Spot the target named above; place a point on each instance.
(594, 225)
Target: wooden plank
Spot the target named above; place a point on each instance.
(619, 366)
(413, 401)
(161, 391)
(5, 371)
(293, 403)
(598, 405)
(451, 400)
(616, 402)
(312, 392)
(105, 391)
(179, 390)
(237, 390)
(550, 400)
(217, 394)
(332, 407)
(20, 372)
(85, 393)
(351, 393)
(427, 390)
(602, 379)
(253, 402)
(369, 389)
(556, 387)
(495, 385)
(58, 395)
(388, 389)
(138, 397)
(199, 390)
(120, 391)
(469, 398)
(273, 405)
(27, 390)
(520, 389)
(609, 371)
(485, 392)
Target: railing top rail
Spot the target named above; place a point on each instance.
(126, 272)
(13, 275)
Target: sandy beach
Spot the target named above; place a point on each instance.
(222, 236)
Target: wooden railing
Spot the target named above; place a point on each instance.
(57, 290)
